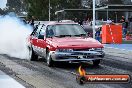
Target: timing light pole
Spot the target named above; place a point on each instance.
(93, 26)
(49, 10)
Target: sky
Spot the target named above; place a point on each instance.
(3, 3)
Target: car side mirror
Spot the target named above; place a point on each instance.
(41, 37)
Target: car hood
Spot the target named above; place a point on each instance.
(75, 42)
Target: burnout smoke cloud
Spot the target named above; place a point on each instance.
(13, 37)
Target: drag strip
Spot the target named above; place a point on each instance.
(37, 74)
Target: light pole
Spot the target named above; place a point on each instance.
(49, 10)
(93, 26)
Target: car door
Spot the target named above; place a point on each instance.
(34, 41)
(42, 42)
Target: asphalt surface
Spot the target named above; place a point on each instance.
(35, 74)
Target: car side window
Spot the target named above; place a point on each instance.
(41, 32)
(50, 31)
(36, 33)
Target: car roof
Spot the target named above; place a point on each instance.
(46, 23)
(71, 21)
(56, 23)
(43, 22)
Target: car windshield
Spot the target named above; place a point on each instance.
(63, 30)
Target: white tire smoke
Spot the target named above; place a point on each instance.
(13, 37)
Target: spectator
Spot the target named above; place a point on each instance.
(97, 34)
(31, 22)
(80, 22)
(122, 19)
(130, 20)
(75, 20)
(109, 21)
(124, 25)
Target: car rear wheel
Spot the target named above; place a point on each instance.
(49, 60)
(32, 55)
(96, 62)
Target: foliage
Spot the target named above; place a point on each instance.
(39, 8)
(16, 6)
(13, 5)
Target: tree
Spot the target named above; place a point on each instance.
(39, 8)
(16, 6)
(13, 5)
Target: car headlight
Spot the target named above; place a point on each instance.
(64, 50)
(99, 49)
(96, 49)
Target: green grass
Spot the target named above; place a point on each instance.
(127, 42)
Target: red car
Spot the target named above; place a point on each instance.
(61, 41)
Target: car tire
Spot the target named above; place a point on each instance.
(49, 60)
(32, 55)
(96, 62)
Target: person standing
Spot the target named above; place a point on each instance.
(31, 22)
(130, 20)
(109, 21)
(97, 34)
(124, 25)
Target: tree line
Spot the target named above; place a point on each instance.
(39, 8)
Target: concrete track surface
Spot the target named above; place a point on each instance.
(35, 74)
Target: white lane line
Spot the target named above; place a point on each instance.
(8, 82)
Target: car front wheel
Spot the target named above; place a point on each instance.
(49, 60)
